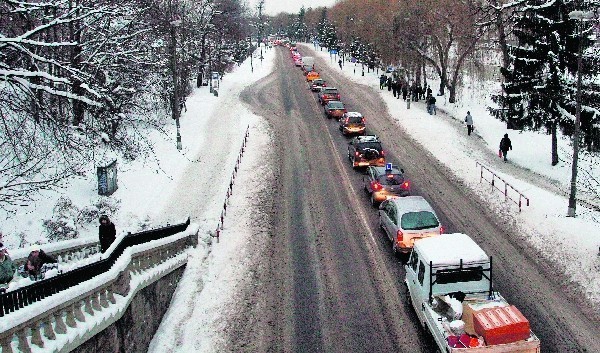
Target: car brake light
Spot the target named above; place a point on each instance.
(363, 120)
(338, 97)
(376, 186)
(399, 235)
(382, 153)
(356, 154)
(405, 185)
(346, 121)
(442, 230)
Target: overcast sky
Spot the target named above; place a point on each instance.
(273, 7)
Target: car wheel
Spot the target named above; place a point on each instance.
(395, 248)
(373, 201)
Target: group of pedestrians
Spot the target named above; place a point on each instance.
(38, 262)
(415, 92)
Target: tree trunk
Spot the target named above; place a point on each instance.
(502, 36)
(76, 50)
(554, 144)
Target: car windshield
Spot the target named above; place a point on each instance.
(391, 179)
(330, 91)
(317, 82)
(336, 105)
(354, 119)
(418, 220)
(371, 145)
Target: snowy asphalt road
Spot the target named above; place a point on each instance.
(328, 279)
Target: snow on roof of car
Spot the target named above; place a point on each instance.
(367, 138)
(354, 115)
(449, 249)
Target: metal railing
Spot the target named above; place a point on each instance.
(507, 187)
(21, 297)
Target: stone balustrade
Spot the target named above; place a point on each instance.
(65, 251)
(69, 318)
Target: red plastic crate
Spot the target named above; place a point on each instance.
(501, 325)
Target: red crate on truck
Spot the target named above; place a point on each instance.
(501, 325)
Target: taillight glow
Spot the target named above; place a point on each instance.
(363, 120)
(356, 153)
(405, 185)
(382, 153)
(376, 186)
(399, 235)
(442, 230)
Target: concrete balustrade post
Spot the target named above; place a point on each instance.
(77, 312)
(96, 302)
(60, 326)
(104, 298)
(36, 336)
(5, 344)
(48, 331)
(23, 346)
(87, 302)
(111, 295)
(121, 285)
(70, 321)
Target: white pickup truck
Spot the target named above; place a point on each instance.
(449, 282)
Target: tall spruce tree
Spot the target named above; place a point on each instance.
(539, 91)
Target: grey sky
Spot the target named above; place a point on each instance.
(273, 7)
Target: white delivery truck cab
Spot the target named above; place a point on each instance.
(449, 283)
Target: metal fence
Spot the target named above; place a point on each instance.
(19, 298)
(510, 193)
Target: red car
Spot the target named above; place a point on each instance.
(329, 94)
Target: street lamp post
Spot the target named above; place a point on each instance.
(579, 16)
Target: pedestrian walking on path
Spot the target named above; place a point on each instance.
(505, 145)
(389, 83)
(340, 63)
(469, 122)
(382, 80)
(107, 233)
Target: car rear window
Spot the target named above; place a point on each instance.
(418, 220)
(331, 91)
(391, 179)
(354, 119)
(371, 145)
(337, 105)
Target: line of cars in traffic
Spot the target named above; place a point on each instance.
(448, 276)
(403, 217)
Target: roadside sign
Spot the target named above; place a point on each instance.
(333, 51)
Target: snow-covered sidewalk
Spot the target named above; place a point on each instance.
(571, 242)
(198, 312)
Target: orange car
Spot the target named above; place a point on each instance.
(312, 76)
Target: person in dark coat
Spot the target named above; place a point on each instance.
(395, 88)
(38, 262)
(7, 268)
(382, 80)
(106, 232)
(404, 91)
(389, 83)
(505, 145)
(340, 63)
(429, 91)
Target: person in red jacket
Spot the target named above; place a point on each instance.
(106, 232)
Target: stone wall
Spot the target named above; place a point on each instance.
(135, 329)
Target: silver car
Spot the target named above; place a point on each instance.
(407, 219)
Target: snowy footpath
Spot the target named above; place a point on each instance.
(200, 305)
(574, 243)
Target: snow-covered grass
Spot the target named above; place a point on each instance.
(573, 243)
